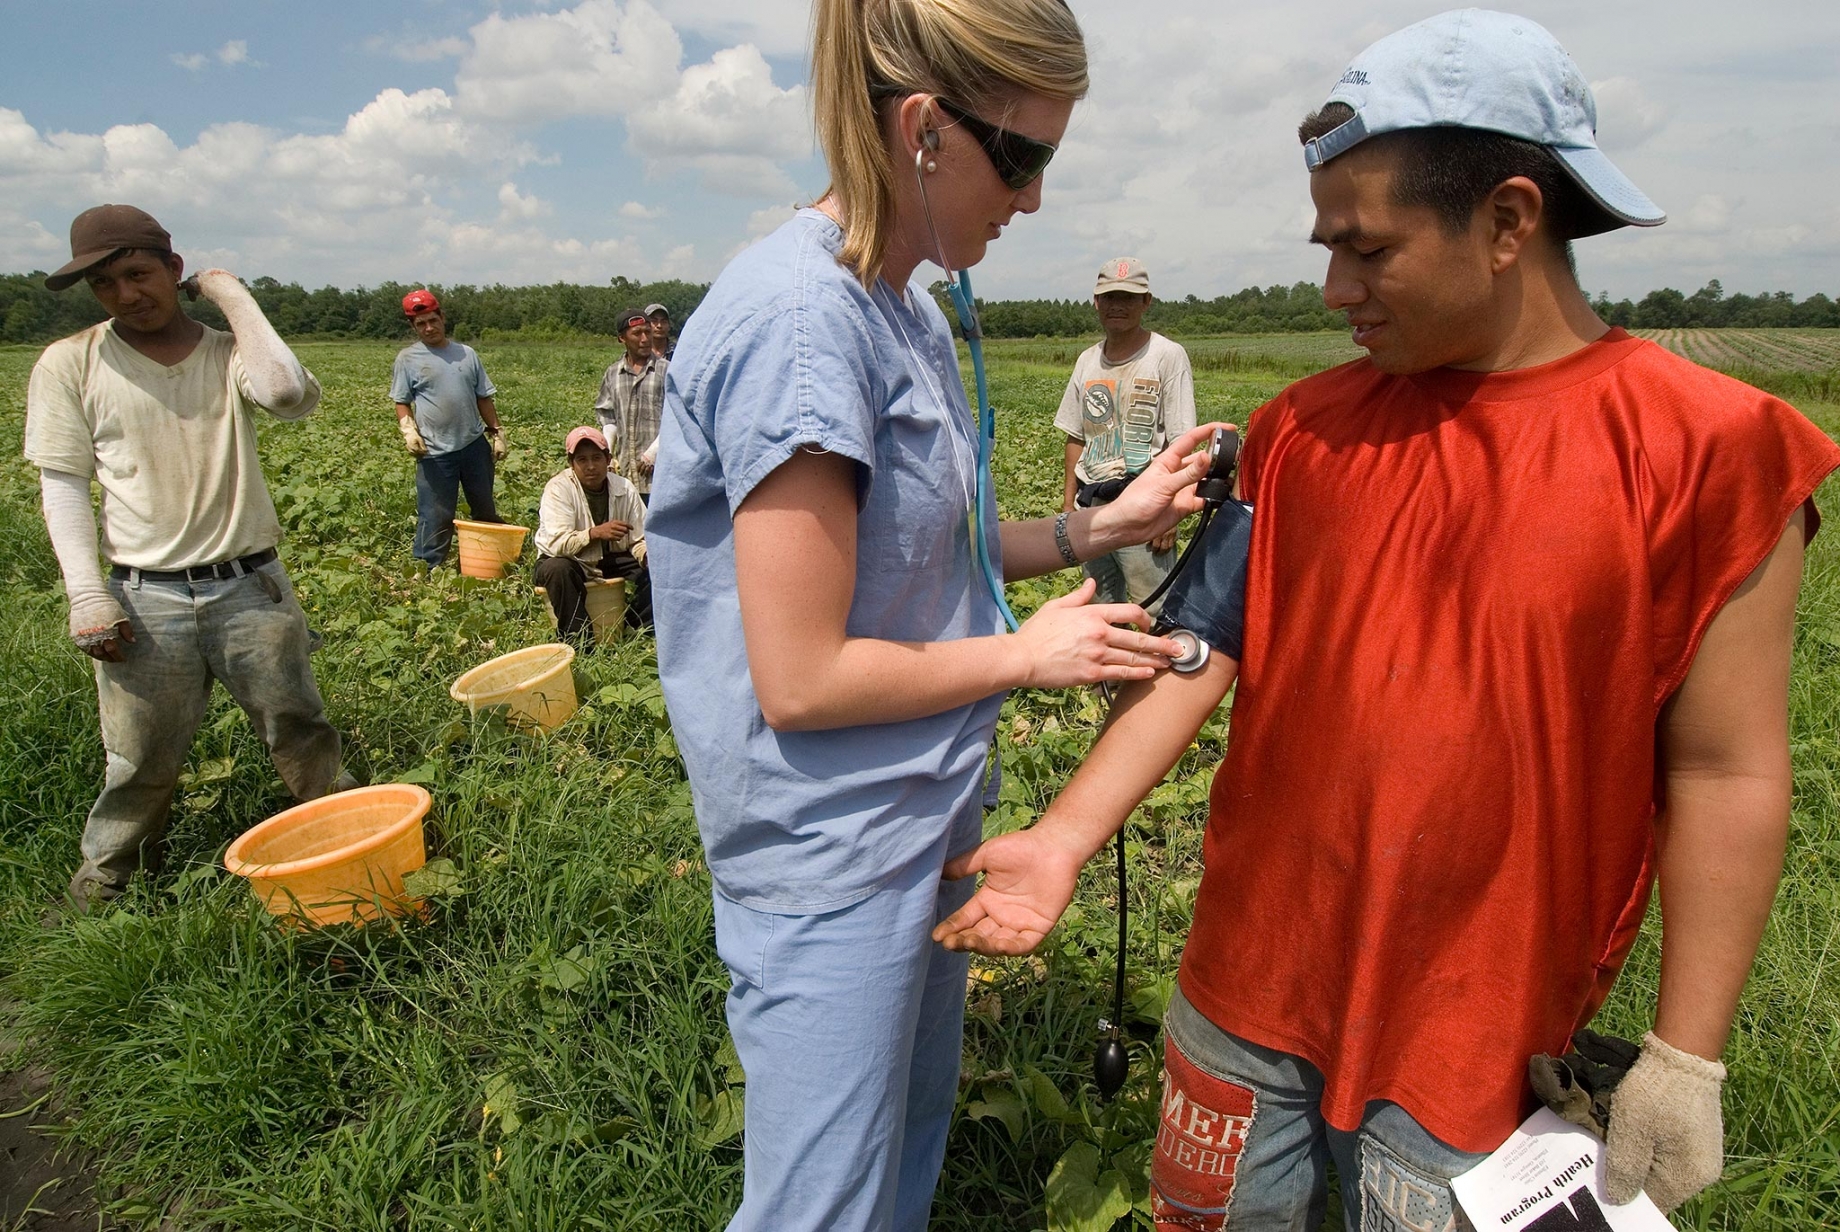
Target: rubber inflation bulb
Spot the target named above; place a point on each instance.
(1110, 1065)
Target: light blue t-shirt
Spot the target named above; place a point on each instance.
(442, 387)
(789, 350)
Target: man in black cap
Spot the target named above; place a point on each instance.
(631, 402)
(159, 411)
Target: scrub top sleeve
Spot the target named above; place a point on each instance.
(793, 378)
(1210, 596)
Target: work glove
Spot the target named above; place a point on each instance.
(95, 620)
(1666, 1134)
(497, 437)
(411, 437)
(1578, 1085)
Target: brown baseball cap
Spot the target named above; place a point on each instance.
(102, 231)
(1123, 274)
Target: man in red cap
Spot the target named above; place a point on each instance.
(159, 411)
(449, 421)
(591, 524)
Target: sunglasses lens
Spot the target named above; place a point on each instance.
(1020, 160)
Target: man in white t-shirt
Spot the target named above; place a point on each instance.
(1130, 394)
(159, 411)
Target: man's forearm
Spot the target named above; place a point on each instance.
(1720, 849)
(488, 411)
(277, 381)
(1151, 725)
(71, 524)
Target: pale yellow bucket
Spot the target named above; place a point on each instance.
(487, 547)
(606, 599)
(535, 685)
(338, 859)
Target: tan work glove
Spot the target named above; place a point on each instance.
(1666, 1134)
(411, 437)
(497, 437)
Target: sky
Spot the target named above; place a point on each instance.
(520, 141)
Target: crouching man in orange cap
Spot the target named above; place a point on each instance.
(591, 525)
(159, 411)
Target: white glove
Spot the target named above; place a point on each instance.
(1666, 1134)
(497, 437)
(411, 437)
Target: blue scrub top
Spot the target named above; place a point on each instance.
(789, 350)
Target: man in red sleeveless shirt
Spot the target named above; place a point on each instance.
(1519, 604)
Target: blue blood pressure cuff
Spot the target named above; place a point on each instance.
(1210, 596)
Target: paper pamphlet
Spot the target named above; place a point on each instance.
(1548, 1177)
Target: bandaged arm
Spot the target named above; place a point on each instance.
(277, 381)
(71, 523)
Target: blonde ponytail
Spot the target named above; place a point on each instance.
(976, 53)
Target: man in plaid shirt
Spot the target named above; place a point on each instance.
(631, 401)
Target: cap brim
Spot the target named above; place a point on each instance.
(1107, 287)
(73, 270)
(1609, 187)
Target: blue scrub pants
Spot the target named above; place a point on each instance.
(849, 1025)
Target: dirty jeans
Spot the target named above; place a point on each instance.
(1129, 574)
(849, 1026)
(439, 480)
(1242, 1144)
(187, 634)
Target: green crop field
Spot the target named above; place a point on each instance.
(546, 1049)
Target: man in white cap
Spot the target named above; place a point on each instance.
(658, 320)
(591, 525)
(447, 411)
(1519, 604)
(630, 403)
(159, 411)
(1131, 392)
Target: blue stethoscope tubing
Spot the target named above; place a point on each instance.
(958, 290)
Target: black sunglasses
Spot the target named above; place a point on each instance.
(1018, 160)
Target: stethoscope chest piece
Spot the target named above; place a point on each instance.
(1194, 654)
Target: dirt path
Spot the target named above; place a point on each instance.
(40, 1190)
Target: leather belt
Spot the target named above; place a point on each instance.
(220, 571)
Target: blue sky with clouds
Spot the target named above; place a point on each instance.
(522, 141)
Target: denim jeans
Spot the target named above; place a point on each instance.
(187, 634)
(1242, 1144)
(439, 479)
(849, 1026)
(1130, 573)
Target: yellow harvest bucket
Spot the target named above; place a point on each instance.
(338, 859)
(534, 685)
(487, 547)
(606, 598)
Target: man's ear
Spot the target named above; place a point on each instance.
(1512, 214)
(176, 264)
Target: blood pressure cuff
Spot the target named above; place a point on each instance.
(1210, 596)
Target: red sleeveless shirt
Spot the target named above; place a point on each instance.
(1430, 846)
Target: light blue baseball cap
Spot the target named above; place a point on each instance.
(1474, 68)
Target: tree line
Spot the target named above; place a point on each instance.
(561, 311)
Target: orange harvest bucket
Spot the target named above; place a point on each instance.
(606, 602)
(534, 685)
(338, 859)
(487, 547)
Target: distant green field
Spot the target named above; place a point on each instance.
(547, 1050)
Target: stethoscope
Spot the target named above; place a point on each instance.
(1111, 1061)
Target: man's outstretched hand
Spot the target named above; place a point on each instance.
(1028, 882)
